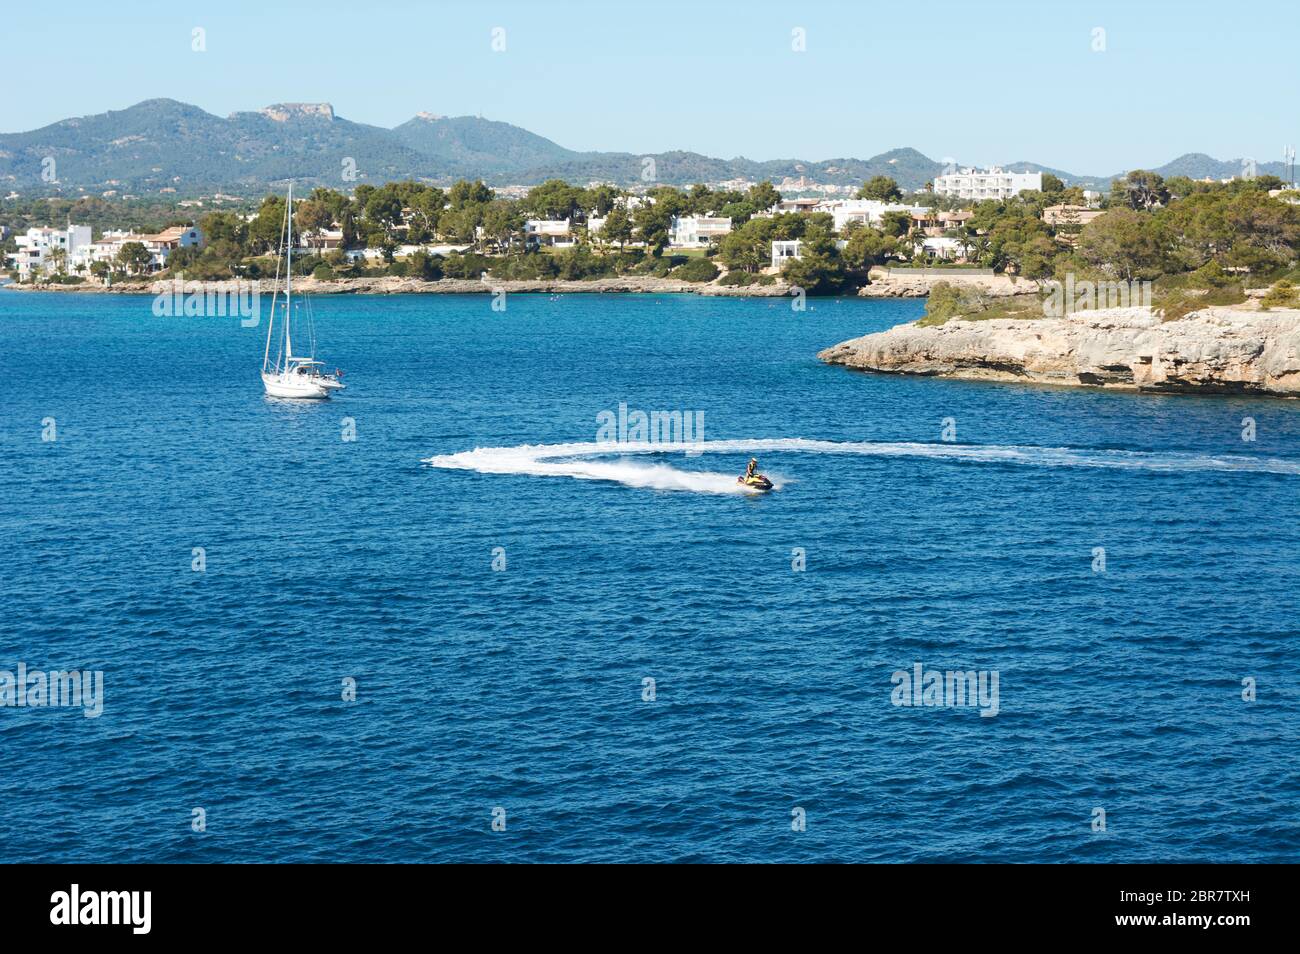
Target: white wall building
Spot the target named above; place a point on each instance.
(160, 245)
(797, 205)
(36, 250)
(783, 252)
(321, 240)
(693, 231)
(548, 231)
(867, 211)
(991, 183)
(941, 247)
(374, 255)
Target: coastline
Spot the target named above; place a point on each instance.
(914, 285)
(392, 285)
(882, 286)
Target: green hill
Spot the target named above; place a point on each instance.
(163, 144)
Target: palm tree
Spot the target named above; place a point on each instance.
(917, 239)
(965, 239)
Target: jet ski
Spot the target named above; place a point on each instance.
(755, 482)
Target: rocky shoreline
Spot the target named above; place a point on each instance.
(392, 285)
(1212, 351)
(882, 286)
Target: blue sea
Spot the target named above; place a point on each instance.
(577, 654)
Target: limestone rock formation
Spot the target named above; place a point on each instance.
(1216, 350)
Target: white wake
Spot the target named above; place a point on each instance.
(608, 461)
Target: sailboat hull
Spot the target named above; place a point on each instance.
(286, 387)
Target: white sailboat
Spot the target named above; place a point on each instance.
(290, 375)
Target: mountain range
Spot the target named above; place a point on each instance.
(162, 144)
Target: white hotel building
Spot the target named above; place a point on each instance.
(992, 183)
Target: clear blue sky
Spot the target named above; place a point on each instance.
(992, 81)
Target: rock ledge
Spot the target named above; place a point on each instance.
(1216, 350)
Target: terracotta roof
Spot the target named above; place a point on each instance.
(172, 234)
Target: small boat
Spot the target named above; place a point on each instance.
(290, 375)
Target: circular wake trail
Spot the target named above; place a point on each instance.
(610, 461)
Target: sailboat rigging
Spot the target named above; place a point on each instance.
(290, 375)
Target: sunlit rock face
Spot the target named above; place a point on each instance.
(1223, 350)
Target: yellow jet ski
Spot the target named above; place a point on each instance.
(752, 479)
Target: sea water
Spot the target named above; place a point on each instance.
(438, 618)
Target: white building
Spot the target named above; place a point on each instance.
(374, 255)
(992, 183)
(693, 231)
(783, 252)
(322, 240)
(39, 250)
(797, 205)
(867, 211)
(548, 232)
(941, 247)
(160, 245)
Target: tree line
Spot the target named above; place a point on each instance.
(1152, 227)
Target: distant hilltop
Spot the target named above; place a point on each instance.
(283, 112)
(164, 145)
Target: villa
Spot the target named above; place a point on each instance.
(1067, 215)
(784, 251)
(949, 249)
(867, 211)
(555, 232)
(693, 231)
(797, 205)
(323, 240)
(937, 223)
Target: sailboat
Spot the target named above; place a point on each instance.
(290, 375)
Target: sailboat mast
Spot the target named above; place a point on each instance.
(270, 326)
(275, 293)
(288, 275)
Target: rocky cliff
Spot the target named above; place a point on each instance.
(1217, 350)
